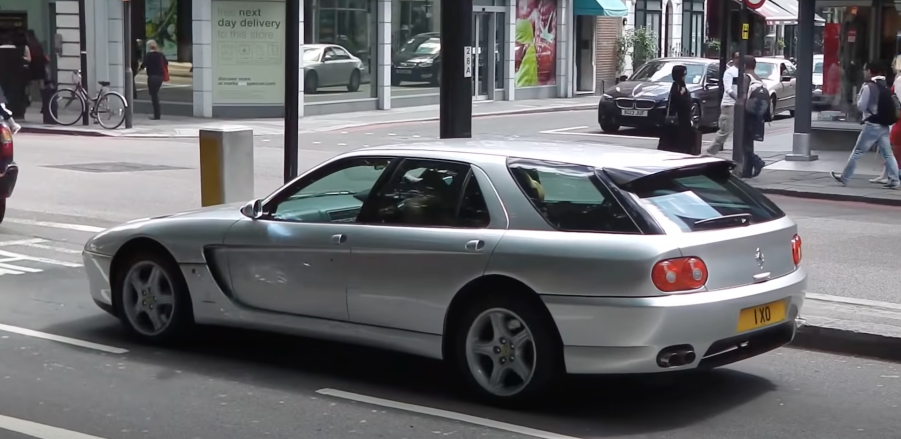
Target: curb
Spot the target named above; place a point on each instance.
(117, 133)
(847, 342)
(830, 197)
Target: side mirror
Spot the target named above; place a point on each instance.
(787, 78)
(253, 209)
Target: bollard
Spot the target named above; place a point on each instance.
(801, 148)
(226, 165)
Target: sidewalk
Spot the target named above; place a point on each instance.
(849, 326)
(179, 127)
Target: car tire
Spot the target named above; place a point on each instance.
(2, 209)
(609, 127)
(355, 79)
(696, 116)
(311, 83)
(773, 107)
(151, 284)
(480, 349)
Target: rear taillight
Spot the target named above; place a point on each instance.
(679, 274)
(6, 143)
(796, 249)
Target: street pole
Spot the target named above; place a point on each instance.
(455, 113)
(83, 49)
(738, 140)
(803, 86)
(129, 79)
(292, 87)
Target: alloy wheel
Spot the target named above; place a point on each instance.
(500, 352)
(148, 298)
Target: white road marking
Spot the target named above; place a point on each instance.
(497, 425)
(18, 268)
(13, 257)
(52, 225)
(21, 242)
(40, 431)
(37, 243)
(61, 339)
(4, 271)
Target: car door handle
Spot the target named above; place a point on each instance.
(339, 239)
(475, 245)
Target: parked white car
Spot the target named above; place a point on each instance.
(819, 100)
(779, 76)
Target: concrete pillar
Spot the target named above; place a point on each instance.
(564, 48)
(301, 29)
(202, 61)
(803, 85)
(510, 53)
(383, 55)
(115, 48)
(226, 165)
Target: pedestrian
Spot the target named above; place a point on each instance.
(678, 133)
(157, 67)
(13, 76)
(878, 112)
(895, 130)
(756, 114)
(37, 66)
(727, 106)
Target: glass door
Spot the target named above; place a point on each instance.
(484, 52)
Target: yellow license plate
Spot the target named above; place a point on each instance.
(761, 315)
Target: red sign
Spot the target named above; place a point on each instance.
(832, 72)
(755, 4)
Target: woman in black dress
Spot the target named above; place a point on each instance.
(678, 133)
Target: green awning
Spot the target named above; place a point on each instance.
(602, 8)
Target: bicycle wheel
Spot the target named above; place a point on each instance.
(110, 110)
(66, 106)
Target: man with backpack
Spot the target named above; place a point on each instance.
(757, 112)
(879, 111)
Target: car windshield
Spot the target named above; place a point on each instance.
(311, 55)
(818, 67)
(420, 45)
(765, 70)
(696, 200)
(662, 71)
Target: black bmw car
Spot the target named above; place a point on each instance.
(418, 60)
(641, 101)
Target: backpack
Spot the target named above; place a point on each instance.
(758, 102)
(887, 105)
(895, 100)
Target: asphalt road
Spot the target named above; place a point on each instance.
(232, 384)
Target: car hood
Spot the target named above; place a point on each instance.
(642, 89)
(414, 58)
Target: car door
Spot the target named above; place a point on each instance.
(428, 232)
(344, 66)
(331, 68)
(294, 259)
(711, 94)
(789, 86)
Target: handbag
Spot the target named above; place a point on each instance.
(670, 119)
(166, 72)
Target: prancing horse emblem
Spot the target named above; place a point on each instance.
(760, 258)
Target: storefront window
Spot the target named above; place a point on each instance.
(415, 47)
(692, 27)
(340, 50)
(167, 23)
(841, 51)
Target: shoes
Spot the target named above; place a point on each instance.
(838, 177)
(879, 180)
(892, 185)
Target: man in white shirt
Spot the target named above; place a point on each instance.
(727, 107)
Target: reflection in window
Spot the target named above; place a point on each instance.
(415, 47)
(351, 25)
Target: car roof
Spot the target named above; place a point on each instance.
(692, 59)
(603, 156)
(318, 46)
(768, 59)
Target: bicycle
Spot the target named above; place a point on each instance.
(103, 103)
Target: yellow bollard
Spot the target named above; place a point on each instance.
(226, 165)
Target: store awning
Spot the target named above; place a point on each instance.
(791, 6)
(773, 14)
(600, 8)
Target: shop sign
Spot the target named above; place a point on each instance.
(745, 30)
(467, 62)
(755, 4)
(248, 52)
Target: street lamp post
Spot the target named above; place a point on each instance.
(292, 87)
(128, 80)
(455, 113)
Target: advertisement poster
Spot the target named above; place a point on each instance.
(248, 53)
(832, 79)
(536, 46)
(160, 25)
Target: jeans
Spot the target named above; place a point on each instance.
(725, 123)
(871, 134)
(154, 83)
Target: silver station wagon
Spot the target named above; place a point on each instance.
(516, 262)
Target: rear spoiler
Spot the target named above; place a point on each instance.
(633, 175)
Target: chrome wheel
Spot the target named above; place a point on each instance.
(148, 298)
(500, 352)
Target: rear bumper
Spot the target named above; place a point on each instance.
(605, 335)
(8, 179)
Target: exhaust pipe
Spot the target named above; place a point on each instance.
(676, 356)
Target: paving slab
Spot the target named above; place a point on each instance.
(820, 185)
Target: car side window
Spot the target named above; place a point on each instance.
(329, 54)
(340, 53)
(571, 197)
(429, 193)
(713, 72)
(334, 193)
(790, 70)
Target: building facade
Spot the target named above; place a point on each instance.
(227, 56)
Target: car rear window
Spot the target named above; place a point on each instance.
(570, 197)
(701, 199)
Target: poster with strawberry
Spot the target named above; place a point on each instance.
(536, 46)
